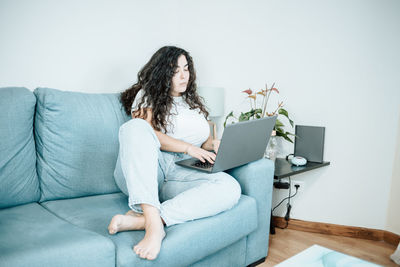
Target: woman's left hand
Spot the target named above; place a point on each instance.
(216, 144)
(200, 153)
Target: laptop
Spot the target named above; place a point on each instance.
(241, 143)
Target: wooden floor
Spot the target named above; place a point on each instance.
(287, 243)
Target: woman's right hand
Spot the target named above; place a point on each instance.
(201, 154)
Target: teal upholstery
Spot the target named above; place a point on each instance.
(77, 142)
(234, 255)
(58, 195)
(256, 181)
(192, 241)
(18, 180)
(32, 236)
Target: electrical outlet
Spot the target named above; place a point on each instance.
(301, 188)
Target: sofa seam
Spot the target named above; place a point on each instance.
(61, 218)
(36, 150)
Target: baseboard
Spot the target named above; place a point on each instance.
(339, 230)
(391, 238)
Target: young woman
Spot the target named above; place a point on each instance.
(169, 124)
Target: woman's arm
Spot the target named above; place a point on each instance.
(169, 143)
(212, 143)
(208, 144)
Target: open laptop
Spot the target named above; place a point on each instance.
(241, 143)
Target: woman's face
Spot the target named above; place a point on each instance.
(181, 77)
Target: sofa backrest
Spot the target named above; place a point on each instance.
(18, 179)
(77, 146)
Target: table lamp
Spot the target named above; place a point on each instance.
(214, 100)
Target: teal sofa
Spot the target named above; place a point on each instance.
(58, 195)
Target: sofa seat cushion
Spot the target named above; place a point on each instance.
(19, 183)
(76, 138)
(183, 245)
(232, 256)
(32, 236)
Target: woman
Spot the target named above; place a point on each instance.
(169, 124)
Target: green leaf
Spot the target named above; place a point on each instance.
(279, 130)
(278, 123)
(284, 135)
(252, 114)
(288, 139)
(259, 110)
(227, 117)
(283, 112)
(244, 116)
(257, 114)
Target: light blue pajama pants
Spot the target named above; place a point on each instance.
(148, 175)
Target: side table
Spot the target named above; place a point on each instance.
(284, 168)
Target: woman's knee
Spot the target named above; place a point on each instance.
(134, 125)
(231, 187)
(137, 129)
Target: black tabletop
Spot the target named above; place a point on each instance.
(284, 168)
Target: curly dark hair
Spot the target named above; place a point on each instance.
(155, 78)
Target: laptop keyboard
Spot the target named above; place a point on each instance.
(204, 165)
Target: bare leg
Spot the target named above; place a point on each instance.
(127, 222)
(150, 245)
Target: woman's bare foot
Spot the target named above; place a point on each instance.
(127, 222)
(150, 245)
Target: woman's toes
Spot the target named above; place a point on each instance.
(143, 254)
(150, 256)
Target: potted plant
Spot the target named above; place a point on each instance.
(259, 110)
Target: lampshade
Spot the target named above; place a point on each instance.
(214, 99)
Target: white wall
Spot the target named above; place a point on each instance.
(336, 64)
(393, 218)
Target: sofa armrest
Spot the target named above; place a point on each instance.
(256, 180)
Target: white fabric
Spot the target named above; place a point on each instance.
(183, 124)
(396, 255)
(150, 176)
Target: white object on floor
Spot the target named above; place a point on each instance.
(396, 255)
(317, 256)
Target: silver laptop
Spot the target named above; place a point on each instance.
(241, 143)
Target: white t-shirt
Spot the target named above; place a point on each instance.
(188, 125)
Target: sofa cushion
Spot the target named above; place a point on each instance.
(32, 236)
(77, 142)
(231, 256)
(18, 179)
(183, 245)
